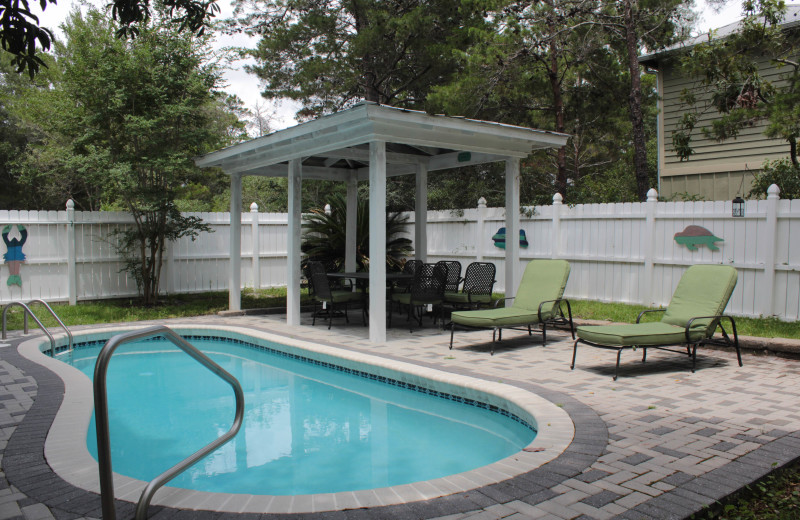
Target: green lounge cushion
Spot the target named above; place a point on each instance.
(636, 334)
(703, 290)
(460, 297)
(488, 318)
(543, 280)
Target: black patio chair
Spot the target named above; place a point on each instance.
(334, 300)
(427, 288)
(477, 289)
(453, 275)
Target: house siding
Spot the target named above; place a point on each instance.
(716, 170)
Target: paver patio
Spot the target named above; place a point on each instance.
(660, 442)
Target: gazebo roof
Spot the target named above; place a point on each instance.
(334, 146)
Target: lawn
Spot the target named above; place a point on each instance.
(186, 305)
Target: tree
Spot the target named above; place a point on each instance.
(523, 70)
(324, 235)
(133, 114)
(635, 25)
(330, 54)
(21, 36)
(549, 65)
(737, 91)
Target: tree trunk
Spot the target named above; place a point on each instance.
(368, 73)
(635, 104)
(558, 109)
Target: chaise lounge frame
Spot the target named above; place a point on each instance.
(700, 335)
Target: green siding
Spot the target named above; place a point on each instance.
(710, 186)
(713, 162)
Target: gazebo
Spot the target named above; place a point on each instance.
(372, 142)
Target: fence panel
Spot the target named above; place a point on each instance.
(623, 252)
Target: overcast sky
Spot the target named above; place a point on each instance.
(247, 87)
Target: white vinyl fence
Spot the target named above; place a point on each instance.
(70, 255)
(618, 252)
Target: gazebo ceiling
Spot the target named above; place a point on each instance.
(334, 146)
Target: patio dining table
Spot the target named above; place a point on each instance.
(364, 276)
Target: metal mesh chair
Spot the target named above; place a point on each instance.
(427, 288)
(453, 274)
(477, 289)
(334, 300)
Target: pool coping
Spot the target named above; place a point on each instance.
(67, 455)
(27, 469)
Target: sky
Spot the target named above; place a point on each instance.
(247, 86)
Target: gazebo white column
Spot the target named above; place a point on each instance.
(377, 241)
(351, 224)
(293, 243)
(421, 214)
(512, 225)
(235, 278)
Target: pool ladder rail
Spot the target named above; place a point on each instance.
(101, 418)
(28, 311)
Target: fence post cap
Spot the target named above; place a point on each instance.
(481, 202)
(254, 208)
(773, 192)
(652, 195)
(557, 198)
(70, 204)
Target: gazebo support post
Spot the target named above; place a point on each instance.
(377, 242)
(351, 223)
(512, 225)
(235, 278)
(293, 262)
(421, 214)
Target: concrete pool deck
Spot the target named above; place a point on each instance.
(660, 442)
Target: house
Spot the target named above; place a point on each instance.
(716, 170)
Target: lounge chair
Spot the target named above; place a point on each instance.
(538, 302)
(477, 289)
(691, 319)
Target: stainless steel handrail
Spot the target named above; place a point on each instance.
(41, 325)
(101, 418)
(54, 315)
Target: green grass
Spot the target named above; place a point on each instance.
(760, 327)
(130, 309)
(776, 497)
(187, 305)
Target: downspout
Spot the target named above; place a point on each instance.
(659, 121)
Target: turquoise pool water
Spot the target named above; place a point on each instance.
(308, 428)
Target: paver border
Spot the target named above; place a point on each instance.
(27, 471)
(26, 467)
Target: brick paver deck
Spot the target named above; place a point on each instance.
(658, 443)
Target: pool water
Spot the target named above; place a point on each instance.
(308, 429)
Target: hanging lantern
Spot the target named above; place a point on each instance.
(737, 207)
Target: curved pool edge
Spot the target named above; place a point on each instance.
(66, 452)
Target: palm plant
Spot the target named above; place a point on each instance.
(324, 236)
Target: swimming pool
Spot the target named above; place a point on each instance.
(555, 433)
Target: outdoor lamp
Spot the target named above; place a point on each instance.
(737, 207)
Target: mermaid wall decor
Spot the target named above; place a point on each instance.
(14, 256)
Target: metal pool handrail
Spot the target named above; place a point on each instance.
(54, 315)
(41, 325)
(101, 418)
